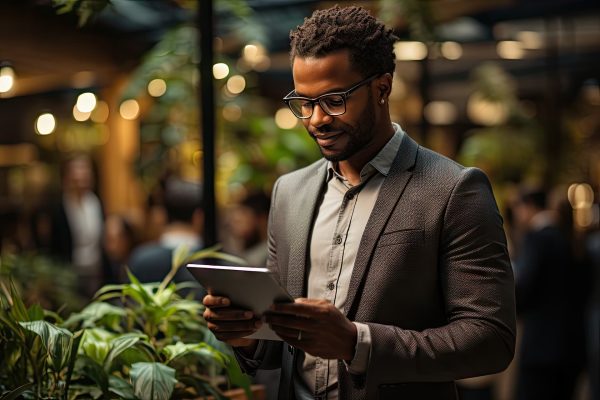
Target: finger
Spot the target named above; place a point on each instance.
(291, 322)
(215, 301)
(227, 314)
(227, 336)
(303, 307)
(227, 327)
(292, 335)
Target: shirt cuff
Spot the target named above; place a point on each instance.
(362, 351)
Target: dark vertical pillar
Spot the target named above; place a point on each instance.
(424, 83)
(553, 102)
(207, 111)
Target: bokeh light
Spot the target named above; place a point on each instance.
(236, 84)
(157, 87)
(80, 116)
(220, 70)
(129, 109)
(86, 102)
(285, 119)
(45, 124)
(7, 78)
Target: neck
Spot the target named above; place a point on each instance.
(180, 227)
(351, 168)
(75, 195)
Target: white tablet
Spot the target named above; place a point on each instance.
(247, 287)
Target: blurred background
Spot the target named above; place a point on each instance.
(112, 102)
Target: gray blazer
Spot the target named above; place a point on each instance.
(432, 277)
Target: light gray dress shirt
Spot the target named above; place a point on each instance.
(337, 232)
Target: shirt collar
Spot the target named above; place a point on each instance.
(381, 163)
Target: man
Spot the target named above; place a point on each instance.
(551, 294)
(77, 223)
(151, 262)
(396, 255)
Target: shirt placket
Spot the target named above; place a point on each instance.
(324, 367)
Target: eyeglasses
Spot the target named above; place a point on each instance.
(333, 103)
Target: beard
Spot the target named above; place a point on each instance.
(358, 137)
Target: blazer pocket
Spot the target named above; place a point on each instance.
(402, 236)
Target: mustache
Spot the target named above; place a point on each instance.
(323, 130)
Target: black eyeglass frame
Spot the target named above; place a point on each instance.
(344, 95)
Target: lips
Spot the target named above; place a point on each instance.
(327, 139)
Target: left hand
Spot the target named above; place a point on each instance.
(325, 331)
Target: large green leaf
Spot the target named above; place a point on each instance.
(94, 371)
(234, 372)
(14, 302)
(153, 381)
(98, 314)
(141, 352)
(119, 345)
(96, 344)
(202, 352)
(236, 377)
(14, 394)
(57, 341)
(35, 313)
(75, 341)
(143, 294)
(163, 297)
(121, 388)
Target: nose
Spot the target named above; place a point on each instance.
(319, 117)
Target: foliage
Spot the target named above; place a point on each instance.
(252, 150)
(416, 14)
(85, 9)
(43, 280)
(36, 356)
(134, 341)
(507, 150)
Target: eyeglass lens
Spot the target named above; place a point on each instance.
(333, 104)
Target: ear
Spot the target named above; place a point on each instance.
(384, 86)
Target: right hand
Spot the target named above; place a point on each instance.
(230, 324)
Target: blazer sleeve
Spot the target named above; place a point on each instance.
(268, 353)
(478, 292)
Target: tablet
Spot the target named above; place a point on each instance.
(247, 287)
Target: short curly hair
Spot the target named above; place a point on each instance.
(369, 42)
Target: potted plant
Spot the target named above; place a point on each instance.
(134, 341)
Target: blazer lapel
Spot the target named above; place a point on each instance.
(305, 203)
(389, 194)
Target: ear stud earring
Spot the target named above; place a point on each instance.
(381, 101)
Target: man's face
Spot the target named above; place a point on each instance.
(79, 174)
(344, 136)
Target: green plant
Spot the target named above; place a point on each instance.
(156, 339)
(42, 280)
(134, 341)
(37, 357)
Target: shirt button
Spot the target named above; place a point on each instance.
(330, 286)
(338, 239)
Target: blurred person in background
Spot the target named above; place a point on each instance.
(593, 317)
(550, 291)
(248, 227)
(77, 223)
(119, 239)
(151, 262)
